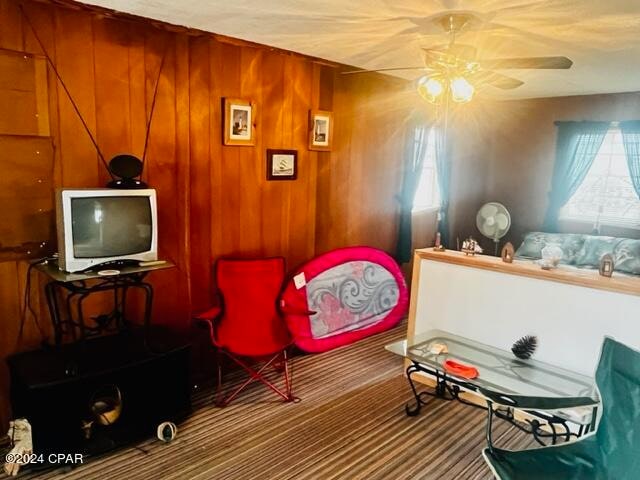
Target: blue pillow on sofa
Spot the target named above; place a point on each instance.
(625, 252)
(626, 256)
(533, 243)
(594, 248)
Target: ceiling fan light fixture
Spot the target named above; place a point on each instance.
(430, 88)
(461, 90)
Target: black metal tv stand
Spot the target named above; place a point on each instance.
(70, 290)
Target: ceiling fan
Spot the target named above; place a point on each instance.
(455, 66)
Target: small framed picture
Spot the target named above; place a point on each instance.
(239, 122)
(282, 164)
(320, 130)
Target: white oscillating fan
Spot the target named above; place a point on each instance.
(493, 221)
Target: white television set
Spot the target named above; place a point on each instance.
(102, 226)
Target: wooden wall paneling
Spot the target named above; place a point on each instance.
(315, 99)
(162, 173)
(215, 231)
(42, 18)
(396, 102)
(325, 96)
(382, 164)
(303, 190)
(111, 67)
(341, 165)
(273, 87)
(201, 137)
(358, 184)
(157, 45)
(42, 97)
(228, 216)
(323, 183)
(359, 158)
(18, 105)
(396, 133)
(74, 60)
(11, 33)
(333, 176)
(16, 34)
(26, 194)
(287, 141)
(252, 178)
(323, 215)
(183, 165)
(380, 167)
(325, 89)
(138, 108)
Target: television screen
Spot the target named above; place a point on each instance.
(111, 226)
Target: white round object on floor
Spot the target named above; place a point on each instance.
(167, 431)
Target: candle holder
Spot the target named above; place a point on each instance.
(507, 253)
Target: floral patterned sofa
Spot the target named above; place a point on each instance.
(584, 251)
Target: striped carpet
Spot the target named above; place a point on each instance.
(350, 424)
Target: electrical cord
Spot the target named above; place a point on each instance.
(27, 308)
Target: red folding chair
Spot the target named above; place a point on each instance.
(248, 328)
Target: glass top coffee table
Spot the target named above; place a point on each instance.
(502, 379)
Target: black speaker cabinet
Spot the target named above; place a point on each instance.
(72, 394)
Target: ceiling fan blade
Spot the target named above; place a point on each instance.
(527, 62)
(496, 79)
(351, 72)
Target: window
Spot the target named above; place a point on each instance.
(427, 194)
(607, 195)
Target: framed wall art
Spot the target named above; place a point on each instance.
(239, 122)
(320, 130)
(282, 164)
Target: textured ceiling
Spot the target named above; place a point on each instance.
(601, 37)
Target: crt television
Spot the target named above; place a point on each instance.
(96, 226)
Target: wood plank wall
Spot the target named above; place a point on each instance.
(213, 200)
(359, 182)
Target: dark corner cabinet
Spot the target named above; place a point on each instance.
(56, 387)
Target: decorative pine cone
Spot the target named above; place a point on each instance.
(525, 347)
